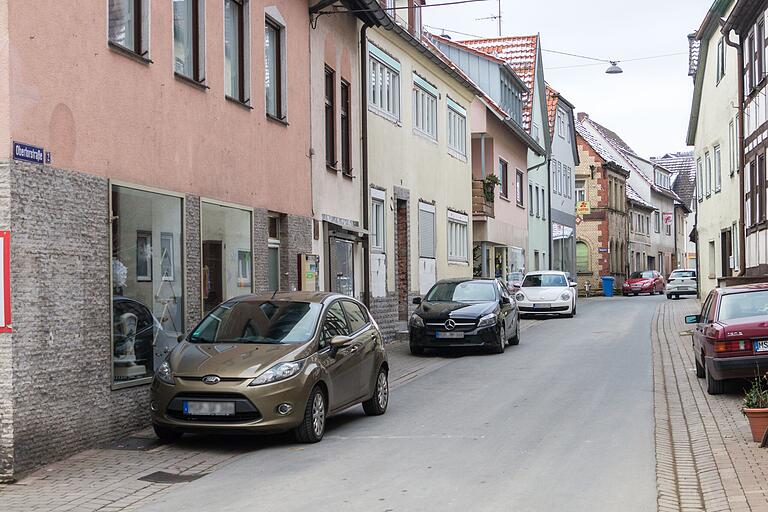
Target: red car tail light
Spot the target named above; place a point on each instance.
(732, 346)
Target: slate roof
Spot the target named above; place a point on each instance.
(683, 168)
(520, 52)
(633, 196)
(594, 142)
(609, 135)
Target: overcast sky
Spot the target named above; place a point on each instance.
(649, 104)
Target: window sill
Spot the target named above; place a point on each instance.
(385, 115)
(458, 156)
(505, 198)
(425, 135)
(238, 102)
(377, 250)
(458, 263)
(332, 168)
(189, 81)
(279, 120)
(520, 205)
(127, 52)
(348, 174)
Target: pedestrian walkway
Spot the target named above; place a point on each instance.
(126, 475)
(705, 457)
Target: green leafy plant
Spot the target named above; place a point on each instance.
(756, 397)
(489, 184)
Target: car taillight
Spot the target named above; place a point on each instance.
(731, 346)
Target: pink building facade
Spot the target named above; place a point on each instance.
(156, 162)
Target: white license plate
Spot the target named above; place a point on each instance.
(209, 408)
(449, 335)
(761, 345)
(542, 306)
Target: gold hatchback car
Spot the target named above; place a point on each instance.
(272, 363)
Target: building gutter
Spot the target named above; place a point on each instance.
(741, 171)
(364, 161)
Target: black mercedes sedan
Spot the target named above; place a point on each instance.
(465, 313)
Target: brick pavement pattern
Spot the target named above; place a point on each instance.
(705, 457)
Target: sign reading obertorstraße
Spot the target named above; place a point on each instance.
(28, 153)
(583, 208)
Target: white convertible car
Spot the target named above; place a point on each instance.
(547, 292)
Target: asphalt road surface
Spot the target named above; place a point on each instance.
(564, 421)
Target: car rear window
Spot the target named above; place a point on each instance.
(544, 281)
(679, 274)
(258, 321)
(743, 305)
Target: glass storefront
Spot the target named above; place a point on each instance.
(147, 280)
(227, 261)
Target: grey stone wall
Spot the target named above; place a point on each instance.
(61, 318)
(193, 309)
(260, 250)
(295, 239)
(384, 311)
(6, 350)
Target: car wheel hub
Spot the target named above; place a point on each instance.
(382, 390)
(318, 414)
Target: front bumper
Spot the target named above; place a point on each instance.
(255, 406)
(426, 337)
(545, 308)
(744, 367)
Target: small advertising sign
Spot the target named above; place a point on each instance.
(5, 281)
(583, 208)
(667, 218)
(28, 153)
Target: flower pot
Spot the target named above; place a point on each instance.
(758, 422)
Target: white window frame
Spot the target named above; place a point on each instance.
(424, 97)
(378, 225)
(424, 252)
(656, 222)
(718, 169)
(458, 237)
(699, 179)
(383, 70)
(456, 127)
(708, 166)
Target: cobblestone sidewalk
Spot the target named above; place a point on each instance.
(705, 457)
(109, 479)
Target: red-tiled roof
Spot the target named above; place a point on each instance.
(520, 53)
(552, 97)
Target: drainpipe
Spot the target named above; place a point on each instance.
(482, 155)
(742, 170)
(549, 209)
(364, 162)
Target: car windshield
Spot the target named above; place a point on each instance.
(544, 281)
(516, 276)
(259, 321)
(466, 291)
(683, 273)
(646, 274)
(743, 305)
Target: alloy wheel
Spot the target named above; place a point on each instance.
(382, 390)
(318, 414)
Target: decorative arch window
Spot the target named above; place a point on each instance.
(582, 257)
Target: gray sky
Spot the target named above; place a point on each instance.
(648, 105)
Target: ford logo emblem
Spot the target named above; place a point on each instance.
(211, 379)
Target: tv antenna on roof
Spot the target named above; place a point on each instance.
(496, 17)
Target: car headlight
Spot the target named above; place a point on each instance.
(417, 321)
(164, 373)
(520, 296)
(565, 296)
(278, 372)
(487, 320)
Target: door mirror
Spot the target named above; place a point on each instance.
(692, 319)
(573, 284)
(505, 300)
(341, 341)
(417, 300)
(179, 338)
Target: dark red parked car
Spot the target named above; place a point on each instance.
(730, 340)
(647, 281)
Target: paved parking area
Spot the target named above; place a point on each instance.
(705, 456)
(134, 471)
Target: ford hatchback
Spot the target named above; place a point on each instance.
(272, 363)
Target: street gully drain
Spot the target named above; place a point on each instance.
(161, 477)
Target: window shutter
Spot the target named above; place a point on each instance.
(426, 234)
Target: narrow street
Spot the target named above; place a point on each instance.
(562, 422)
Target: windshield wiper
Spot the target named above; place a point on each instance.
(249, 340)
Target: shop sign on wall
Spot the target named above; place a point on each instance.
(5, 281)
(667, 218)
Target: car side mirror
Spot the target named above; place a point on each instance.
(692, 319)
(505, 300)
(574, 284)
(341, 341)
(417, 300)
(179, 338)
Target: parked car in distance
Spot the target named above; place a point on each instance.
(681, 282)
(465, 313)
(514, 281)
(547, 292)
(647, 281)
(730, 340)
(272, 363)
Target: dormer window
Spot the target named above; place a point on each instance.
(663, 179)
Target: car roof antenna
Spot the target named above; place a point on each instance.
(273, 295)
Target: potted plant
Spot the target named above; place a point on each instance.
(489, 184)
(755, 408)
